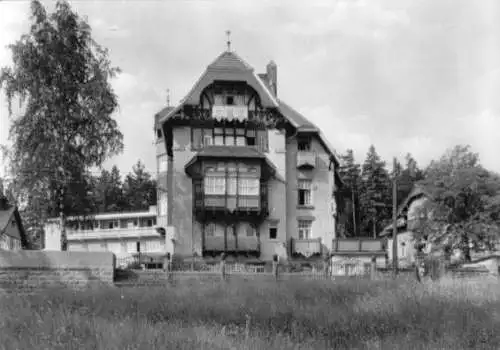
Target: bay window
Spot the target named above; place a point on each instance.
(248, 186)
(215, 185)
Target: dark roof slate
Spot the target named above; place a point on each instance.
(230, 61)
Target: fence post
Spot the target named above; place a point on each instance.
(326, 267)
(223, 267)
(166, 266)
(275, 266)
(373, 268)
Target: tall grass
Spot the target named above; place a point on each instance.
(356, 314)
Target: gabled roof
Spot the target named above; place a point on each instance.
(6, 216)
(231, 67)
(229, 60)
(417, 192)
(165, 111)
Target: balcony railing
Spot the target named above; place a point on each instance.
(358, 246)
(216, 243)
(113, 233)
(232, 244)
(306, 159)
(230, 112)
(248, 244)
(306, 247)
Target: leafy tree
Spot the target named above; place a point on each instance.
(351, 175)
(60, 77)
(465, 202)
(376, 195)
(139, 188)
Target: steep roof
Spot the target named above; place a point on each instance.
(297, 119)
(6, 215)
(230, 66)
(5, 218)
(416, 193)
(229, 60)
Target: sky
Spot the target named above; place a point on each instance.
(415, 76)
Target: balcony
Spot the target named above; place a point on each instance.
(238, 205)
(112, 233)
(306, 247)
(306, 159)
(358, 246)
(238, 244)
(231, 112)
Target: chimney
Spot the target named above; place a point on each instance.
(272, 77)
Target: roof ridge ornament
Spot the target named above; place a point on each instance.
(228, 33)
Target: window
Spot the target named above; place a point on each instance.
(219, 136)
(138, 247)
(273, 231)
(163, 204)
(232, 184)
(123, 247)
(219, 230)
(251, 231)
(162, 163)
(230, 100)
(304, 144)
(305, 229)
(150, 222)
(210, 230)
(305, 193)
(215, 185)
(248, 186)
(159, 133)
(104, 246)
(208, 140)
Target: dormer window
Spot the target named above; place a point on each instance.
(230, 100)
(304, 144)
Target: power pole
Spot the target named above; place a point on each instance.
(394, 224)
(354, 213)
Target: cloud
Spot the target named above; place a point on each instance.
(405, 75)
(482, 133)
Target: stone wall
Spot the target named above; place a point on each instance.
(29, 271)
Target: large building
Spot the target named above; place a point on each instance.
(241, 172)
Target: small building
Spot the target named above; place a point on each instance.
(410, 215)
(353, 256)
(123, 233)
(12, 234)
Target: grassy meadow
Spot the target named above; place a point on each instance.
(355, 314)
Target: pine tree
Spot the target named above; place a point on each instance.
(351, 175)
(375, 195)
(139, 188)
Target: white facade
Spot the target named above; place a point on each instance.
(123, 234)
